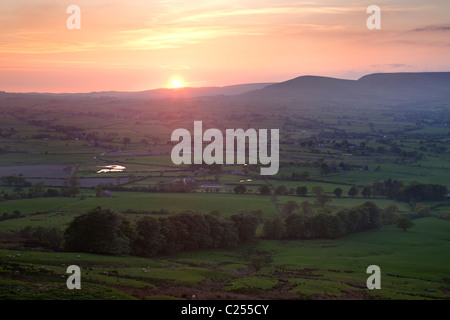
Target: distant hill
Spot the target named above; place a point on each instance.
(383, 88)
(374, 89)
(186, 92)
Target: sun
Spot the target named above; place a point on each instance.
(176, 82)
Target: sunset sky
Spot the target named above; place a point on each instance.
(138, 45)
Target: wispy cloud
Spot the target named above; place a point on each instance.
(174, 25)
(193, 26)
(220, 40)
(433, 28)
(217, 14)
(172, 36)
(392, 65)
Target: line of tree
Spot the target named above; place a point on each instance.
(37, 190)
(417, 192)
(47, 237)
(14, 181)
(108, 232)
(329, 226)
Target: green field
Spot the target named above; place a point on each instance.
(327, 144)
(226, 204)
(410, 262)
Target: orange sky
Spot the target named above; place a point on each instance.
(138, 45)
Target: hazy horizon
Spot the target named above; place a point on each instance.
(221, 86)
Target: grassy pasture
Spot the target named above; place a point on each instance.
(394, 171)
(410, 262)
(227, 204)
(413, 263)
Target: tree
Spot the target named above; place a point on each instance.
(52, 236)
(327, 226)
(360, 218)
(70, 191)
(149, 240)
(307, 207)
(353, 192)
(45, 235)
(366, 192)
(264, 189)
(170, 230)
(421, 192)
(302, 191)
(300, 176)
(185, 231)
(195, 232)
(281, 190)
(392, 188)
(404, 223)
(422, 210)
(16, 214)
(71, 187)
(304, 175)
(274, 228)
(222, 232)
(52, 193)
(317, 190)
(126, 141)
(37, 190)
(246, 224)
(325, 169)
(322, 199)
(73, 182)
(288, 208)
(98, 190)
(374, 215)
(240, 189)
(337, 192)
(297, 227)
(99, 231)
(389, 215)
(15, 181)
(378, 188)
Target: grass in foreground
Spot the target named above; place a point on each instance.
(413, 266)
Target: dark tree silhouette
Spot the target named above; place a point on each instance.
(404, 223)
(353, 192)
(337, 192)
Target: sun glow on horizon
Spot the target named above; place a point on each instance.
(179, 44)
(176, 83)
